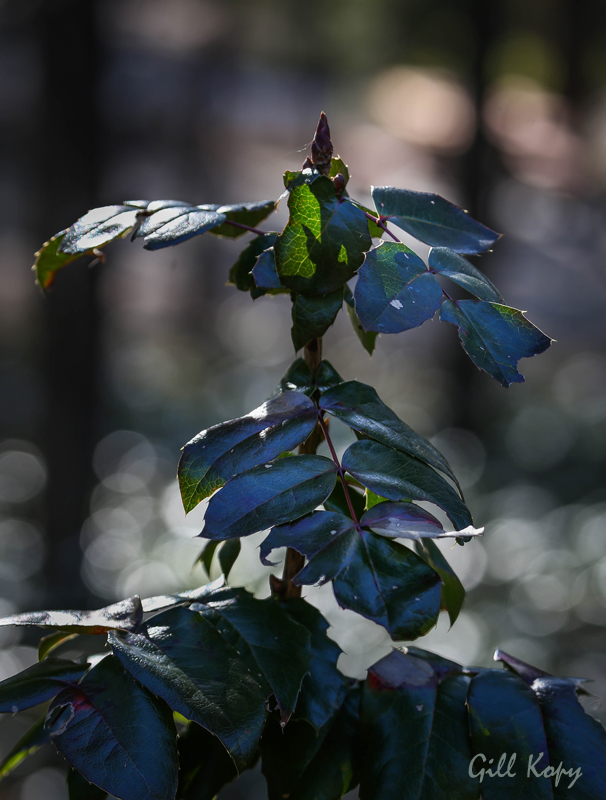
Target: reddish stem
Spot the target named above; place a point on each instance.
(381, 224)
(340, 469)
(244, 227)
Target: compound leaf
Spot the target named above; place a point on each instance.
(313, 316)
(50, 259)
(125, 616)
(39, 683)
(462, 272)
(433, 220)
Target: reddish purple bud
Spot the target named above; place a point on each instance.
(339, 182)
(321, 147)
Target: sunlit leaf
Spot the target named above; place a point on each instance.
(36, 737)
(125, 616)
(461, 271)
(248, 214)
(48, 644)
(407, 521)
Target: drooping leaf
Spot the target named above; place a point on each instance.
(241, 275)
(373, 576)
(324, 686)
(180, 657)
(249, 214)
(461, 271)
(39, 683)
(265, 274)
(453, 593)
(125, 616)
(395, 290)
(505, 718)
(432, 219)
(215, 455)
(313, 316)
(80, 789)
(495, 337)
(204, 765)
(323, 242)
(358, 405)
(415, 733)
(275, 647)
(229, 552)
(367, 338)
(92, 726)
(48, 644)
(36, 737)
(50, 259)
(269, 495)
(397, 476)
(407, 521)
(206, 555)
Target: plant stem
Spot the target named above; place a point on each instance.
(378, 221)
(340, 469)
(244, 227)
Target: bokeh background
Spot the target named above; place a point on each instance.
(500, 106)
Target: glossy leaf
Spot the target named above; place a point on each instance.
(48, 644)
(265, 274)
(464, 273)
(324, 686)
(249, 214)
(37, 736)
(407, 521)
(359, 406)
(313, 316)
(229, 552)
(50, 259)
(39, 683)
(204, 765)
(338, 166)
(377, 578)
(180, 657)
(337, 501)
(215, 455)
(395, 291)
(80, 789)
(269, 495)
(99, 227)
(415, 733)
(323, 242)
(125, 616)
(397, 476)
(505, 717)
(453, 593)
(92, 726)
(327, 376)
(495, 337)
(241, 274)
(433, 220)
(298, 378)
(275, 647)
(367, 338)
(188, 597)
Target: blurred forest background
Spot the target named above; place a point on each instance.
(500, 106)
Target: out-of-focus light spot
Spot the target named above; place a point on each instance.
(542, 592)
(539, 438)
(48, 783)
(525, 55)
(173, 513)
(259, 333)
(469, 562)
(465, 644)
(125, 461)
(512, 544)
(590, 527)
(464, 452)
(22, 475)
(426, 107)
(147, 579)
(21, 550)
(580, 386)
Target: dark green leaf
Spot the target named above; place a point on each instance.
(206, 555)
(415, 733)
(269, 495)
(99, 227)
(367, 338)
(286, 753)
(327, 376)
(495, 337)
(324, 686)
(249, 214)
(240, 275)
(324, 241)
(358, 405)
(397, 476)
(505, 718)
(180, 657)
(337, 501)
(50, 259)
(377, 578)
(338, 166)
(313, 316)
(38, 683)
(265, 274)
(229, 552)
(406, 521)
(80, 789)
(50, 643)
(298, 378)
(204, 765)
(217, 454)
(373, 228)
(92, 726)
(274, 646)
(461, 271)
(124, 616)
(453, 593)
(395, 291)
(36, 737)
(432, 219)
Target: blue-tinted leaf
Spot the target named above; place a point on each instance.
(264, 273)
(432, 219)
(407, 521)
(397, 476)
(241, 273)
(269, 495)
(125, 616)
(98, 227)
(217, 454)
(92, 726)
(313, 316)
(80, 789)
(324, 241)
(248, 214)
(274, 646)
(172, 226)
(358, 405)
(415, 733)
(38, 683)
(327, 376)
(379, 579)
(461, 271)
(495, 337)
(367, 338)
(337, 501)
(36, 737)
(395, 291)
(505, 718)
(453, 593)
(180, 657)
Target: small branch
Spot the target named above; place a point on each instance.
(244, 227)
(340, 469)
(381, 224)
